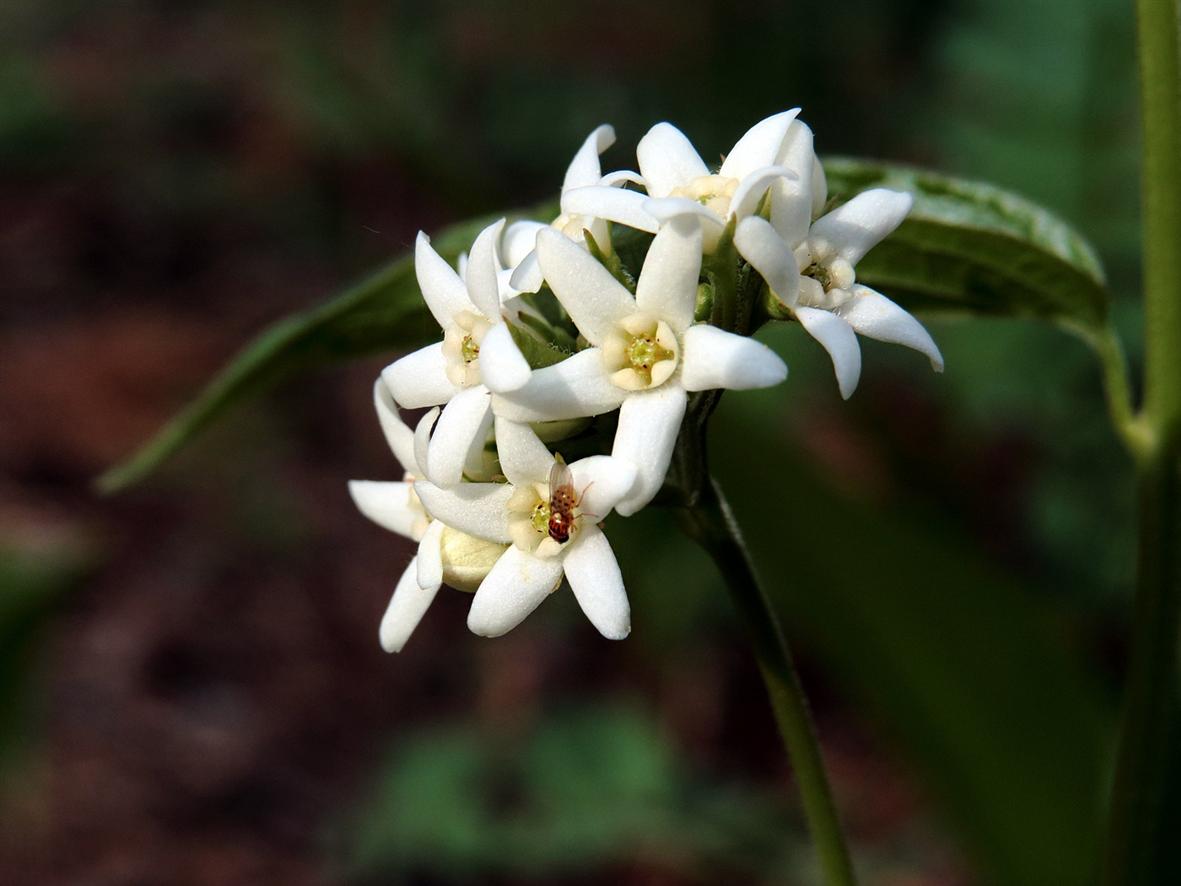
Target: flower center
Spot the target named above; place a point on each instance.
(461, 348)
(825, 283)
(714, 192)
(469, 350)
(539, 519)
(641, 353)
(535, 525)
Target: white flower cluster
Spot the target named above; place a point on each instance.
(544, 328)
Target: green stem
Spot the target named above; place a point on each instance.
(712, 525)
(1159, 32)
(1140, 842)
(1136, 437)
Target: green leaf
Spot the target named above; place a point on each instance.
(976, 248)
(382, 313)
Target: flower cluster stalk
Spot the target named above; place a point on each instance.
(711, 524)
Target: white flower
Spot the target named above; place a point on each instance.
(812, 274)
(519, 512)
(477, 355)
(583, 172)
(645, 352)
(444, 554)
(676, 176)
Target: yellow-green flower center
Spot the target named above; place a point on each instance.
(714, 192)
(469, 350)
(539, 519)
(641, 353)
(819, 273)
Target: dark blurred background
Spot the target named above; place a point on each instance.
(191, 689)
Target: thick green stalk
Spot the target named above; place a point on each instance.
(1140, 846)
(1159, 33)
(1140, 839)
(712, 525)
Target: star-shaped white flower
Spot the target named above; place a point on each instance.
(547, 542)
(443, 553)
(476, 356)
(812, 274)
(676, 176)
(646, 353)
(584, 171)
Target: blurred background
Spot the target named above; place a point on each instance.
(191, 689)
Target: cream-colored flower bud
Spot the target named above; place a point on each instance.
(467, 559)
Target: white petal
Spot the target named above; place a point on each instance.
(668, 208)
(430, 556)
(759, 244)
(752, 188)
(577, 387)
(613, 204)
(594, 576)
(514, 588)
(647, 431)
(478, 509)
(622, 177)
(760, 146)
(406, 609)
(841, 343)
(667, 287)
(797, 151)
(594, 299)
(601, 481)
(523, 457)
(422, 439)
(397, 432)
(518, 241)
(388, 504)
(584, 168)
(527, 275)
(819, 186)
(502, 366)
(795, 203)
(791, 210)
(462, 427)
(872, 314)
(482, 286)
(420, 378)
(853, 229)
(714, 358)
(441, 286)
(668, 159)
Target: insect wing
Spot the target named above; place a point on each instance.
(560, 478)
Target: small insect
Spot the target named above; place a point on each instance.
(562, 501)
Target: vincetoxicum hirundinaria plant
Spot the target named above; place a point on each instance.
(611, 333)
(579, 352)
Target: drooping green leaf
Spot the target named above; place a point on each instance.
(382, 313)
(975, 248)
